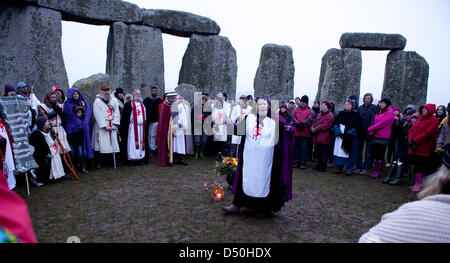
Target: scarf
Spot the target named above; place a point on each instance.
(136, 134)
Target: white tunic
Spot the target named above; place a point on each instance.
(235, 113)
(182, 124)
(133, 153)
(103, 140)
(57, 170)
(8, 164)
(219, 117)
(58, 129)
(258, 156)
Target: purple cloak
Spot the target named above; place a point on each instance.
(285, 146)
(74, 124)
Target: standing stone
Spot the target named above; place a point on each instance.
(187, 92)
(135, 58)
(275, 75)
(340, 76)
(96, 12)
(372, 41)
(405, 78)
(30, 48)
(90, 86)
(180, 23)
(210, 64)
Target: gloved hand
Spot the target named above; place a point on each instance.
(440, 150)
(413, 145)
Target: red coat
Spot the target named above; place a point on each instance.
(423, 132)
(301, 114)
(322, 124)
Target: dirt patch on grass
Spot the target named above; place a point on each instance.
(154, 204)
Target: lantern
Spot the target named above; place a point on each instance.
(217, 192)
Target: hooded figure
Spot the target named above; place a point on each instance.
(165, 133)
(422, 138)
(78, 129)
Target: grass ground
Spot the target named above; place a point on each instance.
(154, 204)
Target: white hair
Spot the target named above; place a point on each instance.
(437, 183)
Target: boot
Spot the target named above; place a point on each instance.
(378, 166)
(389, 175)
(419, 183)
(182, 160)
(196, 153)
(321, 167)
(398, 177)
(231, 210)
(83, 166)
(202, 148)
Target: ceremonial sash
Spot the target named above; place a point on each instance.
(136, 134)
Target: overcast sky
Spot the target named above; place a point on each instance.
(309, 27)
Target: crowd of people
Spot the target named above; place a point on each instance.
(70, 136)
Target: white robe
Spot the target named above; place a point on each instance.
(103, 140)
(181, 125)
(58, 129)
(133, 153)
(8, 164)
(57, 170)
(258, 157)
(235, 113)
(219, 117)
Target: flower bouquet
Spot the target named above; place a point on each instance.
(227, 167)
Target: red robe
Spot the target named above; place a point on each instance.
(164, 135)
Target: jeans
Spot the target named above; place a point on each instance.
(368, 157)
(153, 128)
(301, 148)
(77, 151)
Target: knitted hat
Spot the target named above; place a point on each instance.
(283, 105)
(305, 99)
(9, 88)
(387, 101)
(55, 88)
(329, 105)
(40, 122)
(118, 90)
(396, 109)
(292, 101)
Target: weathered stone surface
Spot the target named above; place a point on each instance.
(405, 78)
(30, 48)
(187, 91)
(340, 76)
(180, 23)
(135, 58)
(209, 63)
(372, 41)
(90, 86)
(97, 12)
(275, 75)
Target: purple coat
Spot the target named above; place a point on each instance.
(285, 146)
(382, 124)
(73, 124)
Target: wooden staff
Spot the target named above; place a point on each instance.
(65, 153)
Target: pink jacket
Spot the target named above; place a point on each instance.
(382, 124)
(322, 124)
(301, 115)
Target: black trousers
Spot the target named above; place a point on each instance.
(378, 151)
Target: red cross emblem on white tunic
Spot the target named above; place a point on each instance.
(219, 116)
(109, 112)
(138, 112)
(55, 148)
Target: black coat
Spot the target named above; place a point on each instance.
(151, 108)
(40, 155)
